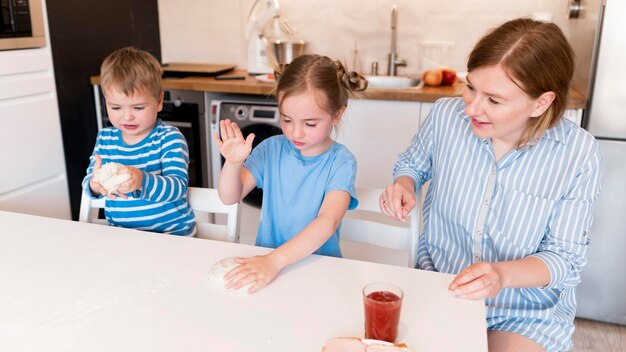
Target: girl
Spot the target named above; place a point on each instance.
(512, 187)
(306, 177)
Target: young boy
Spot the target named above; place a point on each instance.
(154, 157)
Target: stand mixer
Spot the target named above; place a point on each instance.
(264, 22)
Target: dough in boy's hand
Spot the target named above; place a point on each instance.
(217, 272)
(108, 177)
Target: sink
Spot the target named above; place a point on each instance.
(392, 81)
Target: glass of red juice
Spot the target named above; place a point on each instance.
(383, 302)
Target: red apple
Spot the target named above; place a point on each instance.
(432, 77)
(448, 76)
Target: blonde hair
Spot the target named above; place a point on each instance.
(132, 70)
(538, 58)
(331, 83)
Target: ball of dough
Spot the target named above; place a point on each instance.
(109, 179)
(217, 272)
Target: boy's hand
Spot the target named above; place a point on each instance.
(96, 187)
(233, 147)
(132, 184)
(258, 271)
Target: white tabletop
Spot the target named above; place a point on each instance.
(69, 286)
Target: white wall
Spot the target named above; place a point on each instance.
(212, 30)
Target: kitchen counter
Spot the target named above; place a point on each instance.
(251, 85)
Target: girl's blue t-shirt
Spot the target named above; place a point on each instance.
(294, 187)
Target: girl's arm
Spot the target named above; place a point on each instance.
(235, 181)
(261, 270)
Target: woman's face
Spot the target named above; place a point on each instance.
(497, 107)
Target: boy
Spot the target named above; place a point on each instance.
(154, 156)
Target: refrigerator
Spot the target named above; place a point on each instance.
(602, 292)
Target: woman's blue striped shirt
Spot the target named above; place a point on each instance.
(161, 203)
(534, 201)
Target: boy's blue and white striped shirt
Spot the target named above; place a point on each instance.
(534, 202)
(161, 203)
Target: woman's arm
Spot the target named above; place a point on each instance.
(261, 270)
(561, 253)
(482, 280)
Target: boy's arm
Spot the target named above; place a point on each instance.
(263, 269)
(171, 184)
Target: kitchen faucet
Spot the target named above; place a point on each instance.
(394, 61)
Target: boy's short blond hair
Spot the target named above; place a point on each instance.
(132, 70)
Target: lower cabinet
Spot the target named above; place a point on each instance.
(31, 153)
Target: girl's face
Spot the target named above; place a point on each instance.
(307, 125)
(497, 107)
(134, 115)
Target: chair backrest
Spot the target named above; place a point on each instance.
(89, 209)
(214, 219)
(368, 225)
(208, 207)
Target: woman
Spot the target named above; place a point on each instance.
(512, 187)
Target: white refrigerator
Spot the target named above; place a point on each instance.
(602, 292)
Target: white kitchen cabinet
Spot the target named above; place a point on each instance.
(376, 131)
(34, 179)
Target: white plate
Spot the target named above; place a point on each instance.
(269, 78)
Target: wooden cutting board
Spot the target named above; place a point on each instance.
(184, 69)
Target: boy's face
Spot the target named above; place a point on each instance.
(134, 115)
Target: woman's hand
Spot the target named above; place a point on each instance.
(478, 281)
(398, 199)
(233, 147)
(258, 271)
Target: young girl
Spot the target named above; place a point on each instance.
(306, 177)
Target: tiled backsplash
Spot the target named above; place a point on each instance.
(213, 30)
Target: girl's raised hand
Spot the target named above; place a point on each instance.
(233, 147)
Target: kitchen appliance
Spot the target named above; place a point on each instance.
(252, 114)
(286, 50)
(262, 12)
(21, 24)
(185, 110)
(601, 293)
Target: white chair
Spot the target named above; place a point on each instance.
(211, 214)
(90, 208)
(367, 234)
(206, 205)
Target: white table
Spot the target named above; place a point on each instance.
(69, 286)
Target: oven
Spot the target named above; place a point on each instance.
(253, 114)
(185, 110)
(21, 24)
